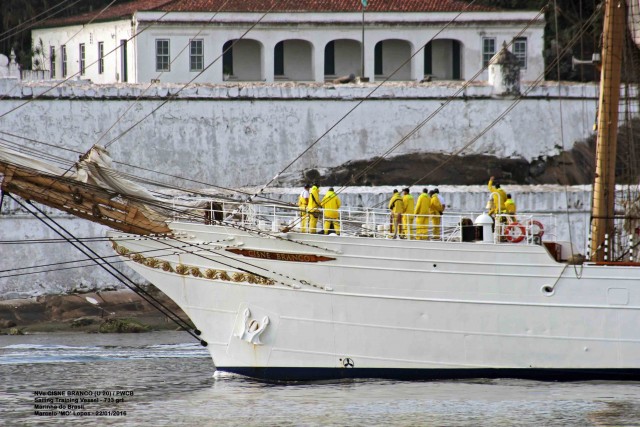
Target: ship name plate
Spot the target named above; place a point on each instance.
(280, 256)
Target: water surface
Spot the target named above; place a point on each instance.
(173, 383)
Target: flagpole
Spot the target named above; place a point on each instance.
(364, 5)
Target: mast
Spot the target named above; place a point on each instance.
(602, 214)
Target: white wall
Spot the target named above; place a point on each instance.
(394, 54)
(71, 36)
(442, 59)
(348, 57)
(249, 132)
(235, 136)
(416, 29)
(179, 70)
(246, 60)
(297, 60)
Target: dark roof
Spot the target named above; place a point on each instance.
(321, 6)
(115, 12)
(126, 10)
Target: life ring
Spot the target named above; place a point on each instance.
(511, 234)
(536, 227)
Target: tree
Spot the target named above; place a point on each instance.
(17, 17)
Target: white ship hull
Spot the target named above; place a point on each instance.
(396, 308)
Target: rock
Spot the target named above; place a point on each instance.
(7, 324)
(83, 321)
(122, 325)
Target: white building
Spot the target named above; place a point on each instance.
(211, 41)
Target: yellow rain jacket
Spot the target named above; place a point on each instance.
(424, 205)
(510, 206)
(436, 206)
(499, 197)
(407, 201)
(331, 204)
(302, 202)
(314, 199)
(395, 204)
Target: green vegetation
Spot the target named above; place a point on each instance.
(17, 17)
(122, 326)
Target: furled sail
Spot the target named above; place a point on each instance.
(633, 17)
(94, 191)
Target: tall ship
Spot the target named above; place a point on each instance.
(458, 296)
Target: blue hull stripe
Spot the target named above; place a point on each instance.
(314, 374)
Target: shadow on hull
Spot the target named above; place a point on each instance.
(319, 374)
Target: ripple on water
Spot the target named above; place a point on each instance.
(173, 384)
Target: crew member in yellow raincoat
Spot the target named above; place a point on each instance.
(437, 208)
(313, 208)
(497, 207)
(499, 198)
(331, 205)
(396, 206)
(423, 208)
(407, 217)
(303, 201)
(510, 208)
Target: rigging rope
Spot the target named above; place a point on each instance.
(351, 110)
(175, 58)
(39, 95)
(171, 97)
(564, 166)
(17, 29)
(117, 274)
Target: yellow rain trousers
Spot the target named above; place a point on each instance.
(423, 208)
(436, 214)
(397, 208)
(304, 218)
(407, 217)
(331, 204)
(313, 209)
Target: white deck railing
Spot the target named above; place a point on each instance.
(375, 223)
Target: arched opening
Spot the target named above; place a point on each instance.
(241, 60)
(389, 55)
(443, 59)
(292, 60)
(341, 58)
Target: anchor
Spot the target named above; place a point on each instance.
(251, 329)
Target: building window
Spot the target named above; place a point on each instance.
(123, 61)
(520, 51)
(63, 55)
(428, 59)
(377, 60)
(488, 50)
(100, 57)
(196, 55)
(278, 59)
(456, 60)
(81, 59)
(52, 62)
(227, 58)
(162, 55)
(329, 59)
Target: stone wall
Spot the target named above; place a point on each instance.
(236, 135)
(241, 135)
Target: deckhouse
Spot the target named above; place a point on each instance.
(212, 41)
